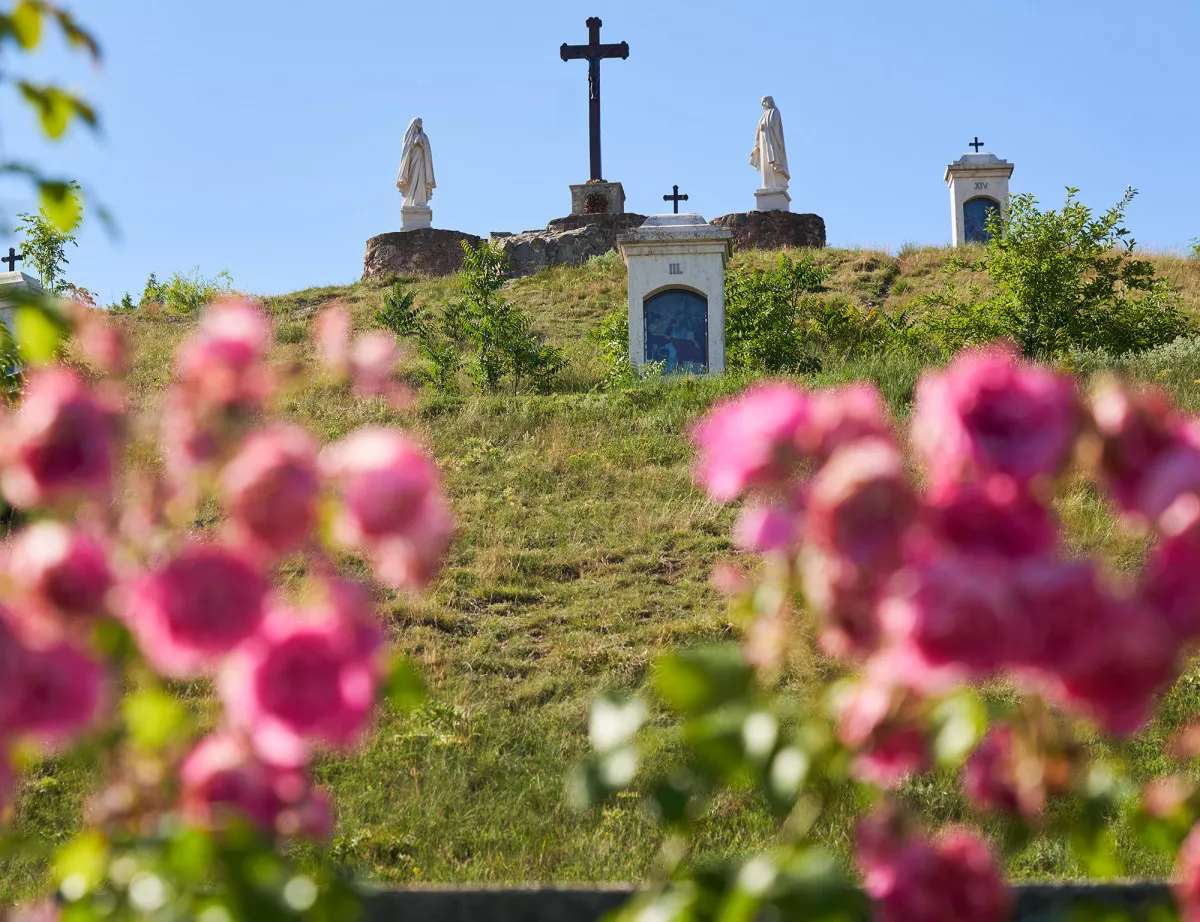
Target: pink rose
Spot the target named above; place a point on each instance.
(844, 415)
(222, 779)
(58, 695)
(877, 722)
(750, 441)
(270, 490)
(860, 505)
(991, 518)
(222, 365)
(373, 356)
(763, 528)
(1187, 877)
(1170, 586)
(392, 506)
(305, 678)
(988, 413)
(11, 655)
(953, 618)
(1058, 603)
(1149, 455)
(60, 444)
(846, 598)
(999, 777)
(62, 568)
(195, 608)
(331, 334)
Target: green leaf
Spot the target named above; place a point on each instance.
(80, 865)
(27, 24)
(155, 719)
(62, 203)
(405, 687)
(697, 680)
(961, 722)
(614, 723)
(39, 332)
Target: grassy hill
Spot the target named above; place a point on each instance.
(583, 551)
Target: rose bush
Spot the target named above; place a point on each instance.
(112, 595)
(928, 565)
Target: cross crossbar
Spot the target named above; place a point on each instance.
(976, 144)
(11, 259)
(675, 197)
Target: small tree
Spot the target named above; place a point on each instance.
(1063, 280)
(45, 247)
(437, 338)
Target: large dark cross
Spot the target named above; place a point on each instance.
(11, 259)
(594, 53)
(976, 144)
(676, 198)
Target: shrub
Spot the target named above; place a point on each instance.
(186, 295)
(44, 245)
(1063, 280)
(609, 261)
(439, 338)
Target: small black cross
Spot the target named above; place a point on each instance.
(13, 256)
(976, 144)
(676, 198)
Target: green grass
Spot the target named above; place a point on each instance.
(583, 551)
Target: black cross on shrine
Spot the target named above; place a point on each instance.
(11, 259)
(976, 144)
(593, 52)
(676, 198)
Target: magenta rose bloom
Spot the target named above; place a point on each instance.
(996, 779)
(195, 608)
(992, 518)
(769, 528)
(270, 490)
(846, 597)
(222, 366)
(62, 568)
(1186, 886)
(60, 444)
(1058, 603)
(988, 413)
(1170, 586)
(58, 695)
(751, 441)
(843, 415)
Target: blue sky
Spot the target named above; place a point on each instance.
(263, 137)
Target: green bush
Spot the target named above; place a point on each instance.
(485, 333)
(44, 245)
(1063, 280)
(185, 295)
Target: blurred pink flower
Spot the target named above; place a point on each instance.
(751, 441)
(195, 608)
(223, 364)
(1148, 455)
(103, 343)
(270, 490)
(1058, 602)
(989, 413)
(993, 518)
(331, 334)
(373, 356)
(62, 568)
(11, 655)
(1186, 886)
(60, 443)
(58, 695)
(768, 528)
(846, 598)
(223, 780)
(1170, 585)
(952, 618)
(998, 778)
(306, 678)
(392, 507)
(950, 880)
(888, 741)
(860, 505)
(844, 415)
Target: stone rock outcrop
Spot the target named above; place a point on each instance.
(569, 241)
(425, 251)
(773, 230)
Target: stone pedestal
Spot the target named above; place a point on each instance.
(772, 200)
(677, 292)
(416, 217)
(598, 198)
(569, 241)
(422, 251)
(773, 230)
(978, 182)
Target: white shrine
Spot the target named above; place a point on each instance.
(978, 186)
(677, 292)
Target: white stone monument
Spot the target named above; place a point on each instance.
(416, 182)
(978, 186)
(677, 292)
(8, 282)
(769, 157)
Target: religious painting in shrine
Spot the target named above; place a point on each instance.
(976, 213)
(677, 330)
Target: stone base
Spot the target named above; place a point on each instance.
(772, 200)
(569, 241)
(773, 230)
(598, 197)
(416, 217)
(422, 251)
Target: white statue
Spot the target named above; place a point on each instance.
(769, 157)
(415, 181)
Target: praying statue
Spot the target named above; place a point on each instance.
(770, 156)
(415, 181)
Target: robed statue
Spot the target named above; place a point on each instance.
(770, 156)
(415, 181)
